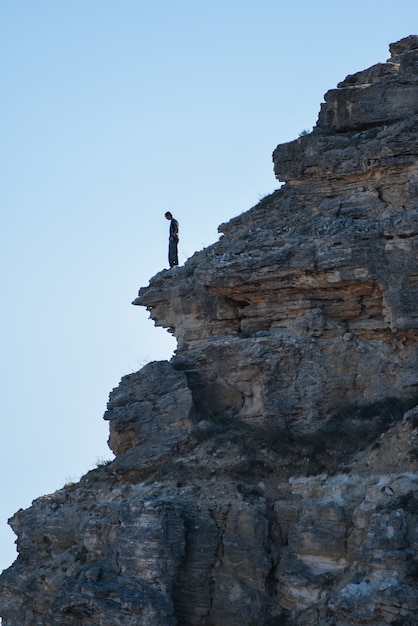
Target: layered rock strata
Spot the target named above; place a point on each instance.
(268, 474)
(314, 291)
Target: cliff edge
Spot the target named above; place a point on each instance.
(267, 474)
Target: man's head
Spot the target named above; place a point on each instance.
(168, 215)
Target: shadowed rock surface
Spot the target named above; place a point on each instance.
(267, 475)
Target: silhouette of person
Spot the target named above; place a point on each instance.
(173, 240)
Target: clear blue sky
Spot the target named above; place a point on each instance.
(113, 112)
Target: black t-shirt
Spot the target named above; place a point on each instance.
(174, 228)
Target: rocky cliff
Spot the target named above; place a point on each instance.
(267, 474)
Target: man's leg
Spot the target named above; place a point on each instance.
(175, 253)
(172, 253)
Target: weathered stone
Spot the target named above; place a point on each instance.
(149, 416)
(268, 473)
(329, 257)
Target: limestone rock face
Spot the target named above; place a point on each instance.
(268, 473)
(149, 416)
(314, 291)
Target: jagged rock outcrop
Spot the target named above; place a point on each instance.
(138, 440)
(316, 287)
(268, 474)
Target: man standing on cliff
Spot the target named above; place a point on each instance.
(173, 240)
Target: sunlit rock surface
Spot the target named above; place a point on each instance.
(268, 473)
